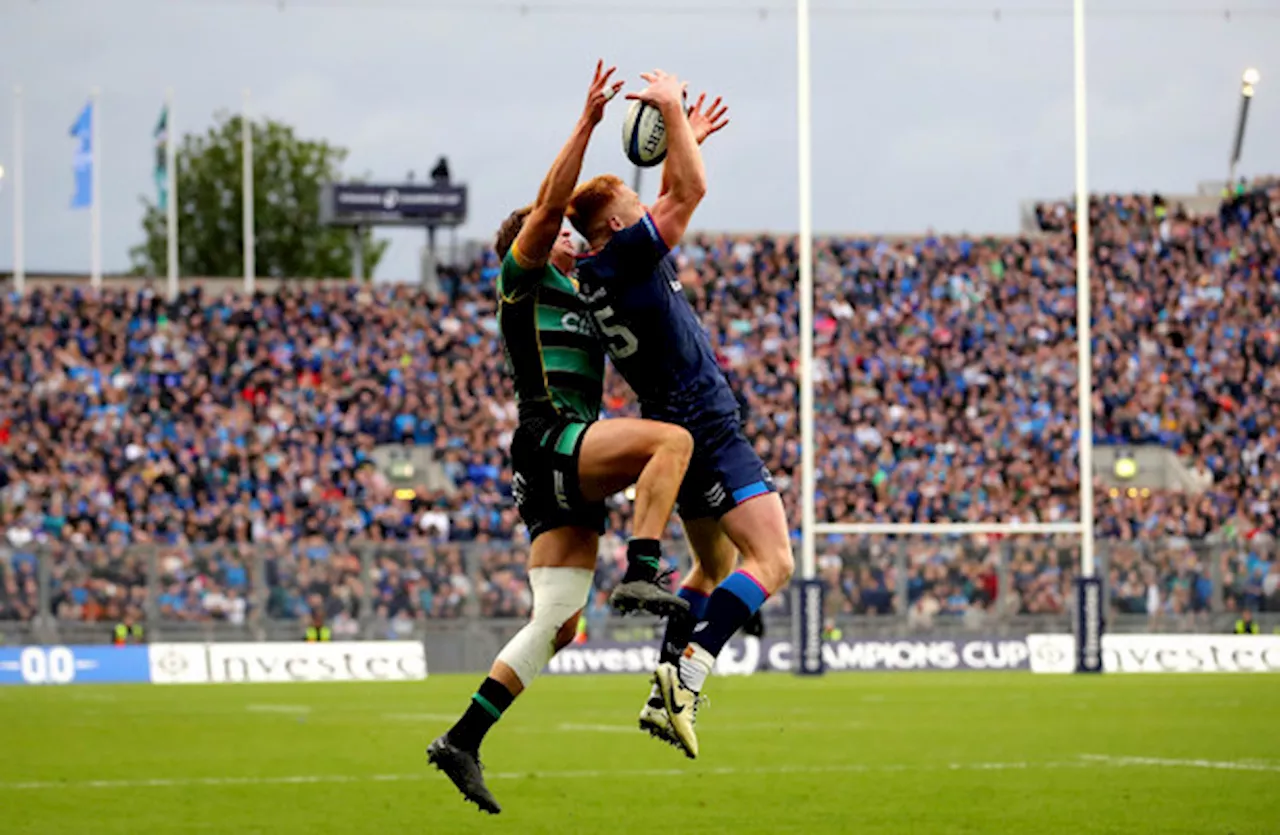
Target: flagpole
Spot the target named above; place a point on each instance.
(171, 194)
(246, 138)
(19, 199)
(95, 195)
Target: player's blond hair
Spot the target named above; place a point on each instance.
(587, 208)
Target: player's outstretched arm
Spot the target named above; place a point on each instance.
(538, 235)
(683, 170)
(704, 123)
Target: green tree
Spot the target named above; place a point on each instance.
(290, 241)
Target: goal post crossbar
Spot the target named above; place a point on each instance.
(948, 528)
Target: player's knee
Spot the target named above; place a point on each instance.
(677, 441)
(558, 597)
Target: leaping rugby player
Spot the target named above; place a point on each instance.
(566, 462)
(728, 502)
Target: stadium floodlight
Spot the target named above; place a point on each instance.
(1248, 87)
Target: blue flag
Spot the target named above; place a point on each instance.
(82, 165)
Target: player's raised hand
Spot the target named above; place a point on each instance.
(707, 122)
(663, 88)
(600, 92)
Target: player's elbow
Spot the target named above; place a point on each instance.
(692, 191)
(684, 202)
(545, 219)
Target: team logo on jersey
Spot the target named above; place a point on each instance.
(676, 286)
(576, 323)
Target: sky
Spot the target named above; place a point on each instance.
(936, 116)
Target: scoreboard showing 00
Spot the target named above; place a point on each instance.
(41, 665)
(73, 665)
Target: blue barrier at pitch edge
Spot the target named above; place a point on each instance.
(74, 665)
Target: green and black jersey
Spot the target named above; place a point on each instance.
(551, 347)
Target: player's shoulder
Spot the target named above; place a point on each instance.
(517, 275)
(516, 263)
(643, 231)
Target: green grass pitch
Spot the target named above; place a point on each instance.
(858, 753)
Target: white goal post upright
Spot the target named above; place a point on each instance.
(804, 112)
(807, 621)
(1084, 325)
(806, 609)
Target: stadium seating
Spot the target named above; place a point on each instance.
(134, 431)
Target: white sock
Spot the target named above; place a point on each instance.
(695, 666)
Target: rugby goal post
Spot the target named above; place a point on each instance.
(807, 603)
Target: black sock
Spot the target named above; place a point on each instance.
(644, 557)
(487, 706)
(731, 605)
(680, 627)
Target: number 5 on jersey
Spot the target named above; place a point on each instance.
(621, 341)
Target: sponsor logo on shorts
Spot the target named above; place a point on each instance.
(562, 495)
(715, 495)
(518, 488)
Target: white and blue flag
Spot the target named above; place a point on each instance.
(82, 132)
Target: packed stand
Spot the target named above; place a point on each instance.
(945, 391)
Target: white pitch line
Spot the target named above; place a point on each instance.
(592, 774)
(571, 727)
(602, 729)
(421, 717)
(1166, 762)
(277, 708)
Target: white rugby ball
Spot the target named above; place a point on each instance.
(644, 135)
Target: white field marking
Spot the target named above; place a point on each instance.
(785, 725)
(780, 725)
(421, 717)
(278, 708)
(1166, 762)
(729, 771)
(602, 729)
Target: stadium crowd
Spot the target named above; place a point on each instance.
(945, 391)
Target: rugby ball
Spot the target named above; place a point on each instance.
(644, 135)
